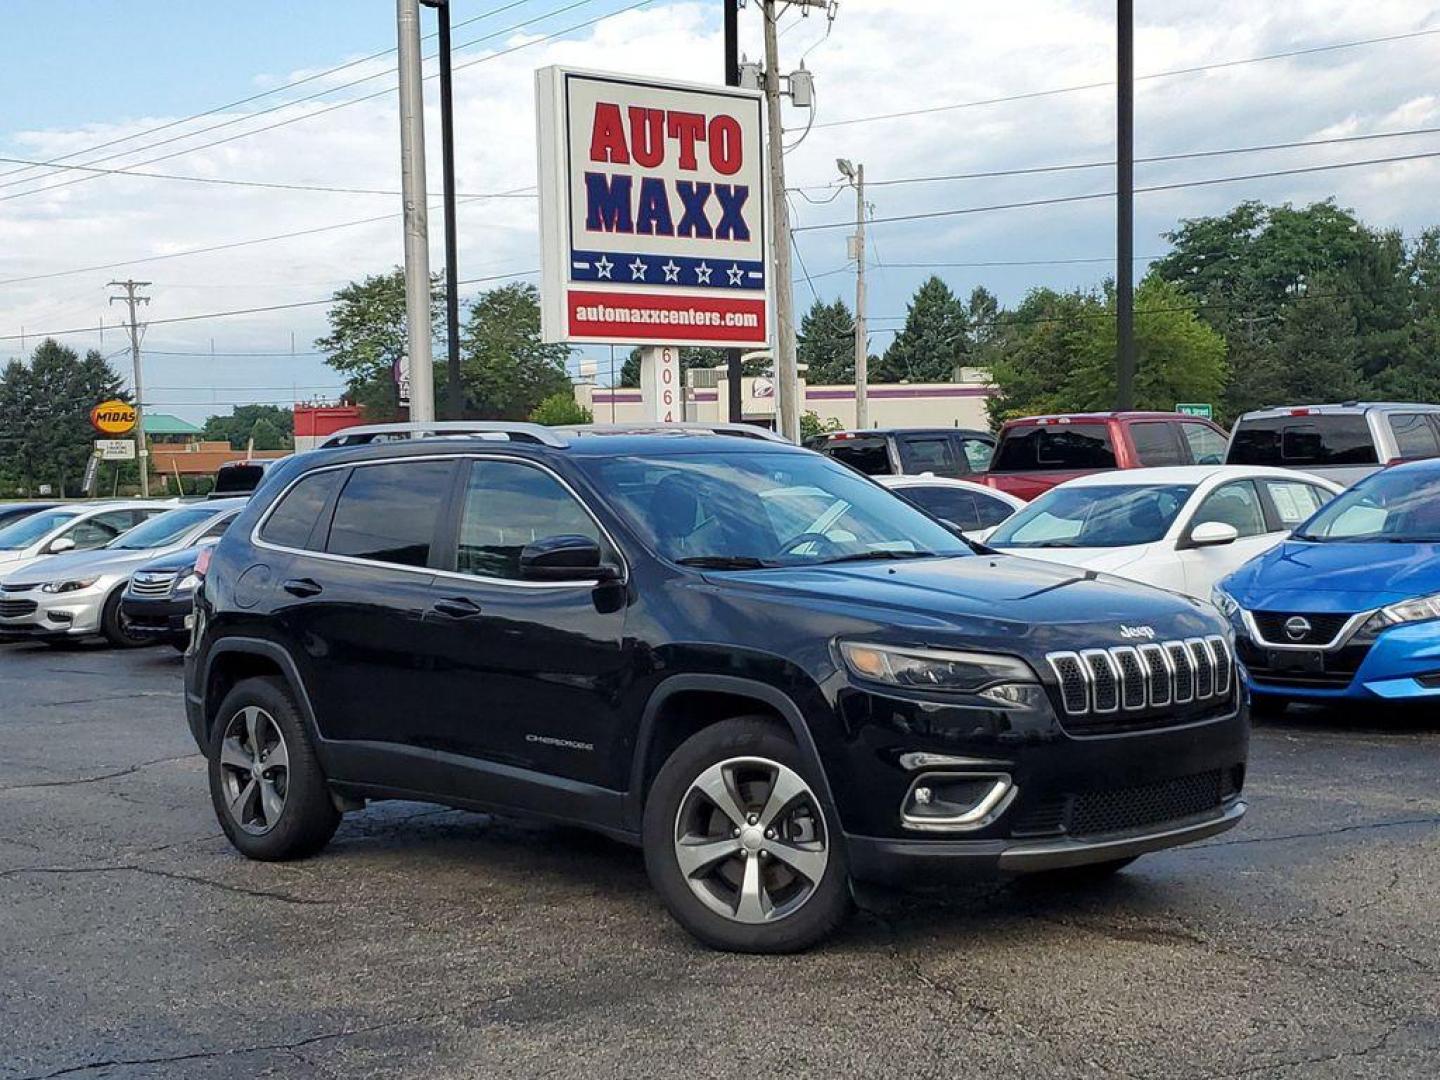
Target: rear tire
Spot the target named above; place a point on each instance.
(268, 790)
(765, 868)
(112, 625)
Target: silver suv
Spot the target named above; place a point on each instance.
(1343, 442)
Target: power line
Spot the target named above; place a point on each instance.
(241, 311)
(330, 108)
(1074, 166)
(1059, 199)
(252, 97)
(1139, 78)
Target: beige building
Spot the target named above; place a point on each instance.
(952, 404)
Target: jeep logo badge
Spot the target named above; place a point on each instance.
(1297, 628)
(1130, 633)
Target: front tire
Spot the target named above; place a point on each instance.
(112, 625)
(268, 790)
(739, 844)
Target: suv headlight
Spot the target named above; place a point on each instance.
(1005, 680)
(188, 583)
(74, 585)
(1421, 609)
(1227, 604)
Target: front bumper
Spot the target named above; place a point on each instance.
(159, 619)
(1403, 664)
(913, 861)
(57, 615)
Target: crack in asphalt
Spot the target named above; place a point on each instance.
(1377, 1046)
(170, 875)
(96, 779)
(1401, 823)
(104, 699)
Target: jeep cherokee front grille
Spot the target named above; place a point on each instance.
(1099, 687)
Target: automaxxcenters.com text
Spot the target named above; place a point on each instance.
(666, 317)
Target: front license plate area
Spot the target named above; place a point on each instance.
(1310, 661)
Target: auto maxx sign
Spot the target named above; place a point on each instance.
(652, 211)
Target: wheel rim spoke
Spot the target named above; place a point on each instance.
(279, 757)
(272, 801)
(807, 862)
(240, 804)
(253, 734)
(786, 789)
(233, 755)
(700, 855)
(717, 785)
(754, 905)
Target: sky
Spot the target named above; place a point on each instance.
(75, 74)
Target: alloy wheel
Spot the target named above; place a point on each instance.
(254, 770)
(750, 840)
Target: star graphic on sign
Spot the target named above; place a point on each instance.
(603, 266)
(637, 269)
(737, 276)
(702, 274)
(672, 272)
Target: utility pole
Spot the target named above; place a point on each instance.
(1125, 205)
(787, 381)
(856, 175)
(455, 393)
(142, 444)
(734, 368)
(417, 235)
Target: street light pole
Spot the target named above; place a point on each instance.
(787, 375)
(1125, 205)
(734, 368)
(856, 175)
(417, 233)
(455, 393)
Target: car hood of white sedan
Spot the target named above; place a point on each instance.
(1106, 560)
(69, 564)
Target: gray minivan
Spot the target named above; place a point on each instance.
(1343, 443)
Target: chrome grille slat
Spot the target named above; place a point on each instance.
(1099, 683)
(151, 585)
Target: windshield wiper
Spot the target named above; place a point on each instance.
(726, 562)
(1054, 544)
(866, 556)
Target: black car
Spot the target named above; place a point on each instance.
(765, 669)
(161, 595)
(955, 452)
(13, 512)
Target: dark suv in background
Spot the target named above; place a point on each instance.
(764, 668)
(954, 452)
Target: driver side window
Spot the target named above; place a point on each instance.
(509, 505)
(1236, 504)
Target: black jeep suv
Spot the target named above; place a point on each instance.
(761, 666)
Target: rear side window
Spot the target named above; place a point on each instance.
(977, 453)
(1156, 443)
(928, 453)
(1236, 504)
(1035, 447)
(1296, 441)
(867, 454)
(388, 513)
(948, 504)
(1207, 446)
(293, 519)
(1295, 501)
(1414, 436)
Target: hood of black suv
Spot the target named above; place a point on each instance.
(1033, 605)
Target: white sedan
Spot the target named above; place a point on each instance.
(1180, 528)
(972, 508)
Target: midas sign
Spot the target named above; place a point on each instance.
(113, 417)
(652, 212)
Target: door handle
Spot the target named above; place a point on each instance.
(302, 587)
(457, 607)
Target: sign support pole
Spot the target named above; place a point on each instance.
(660, 383)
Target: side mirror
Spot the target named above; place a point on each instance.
(61, 545)
(1213, 534)
(564, 558)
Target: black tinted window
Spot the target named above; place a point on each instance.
(238, 479)
(928, 453)
(991, 511)
(1334, 439)
(1156, 444)
(1030, 447)
(291, 522)
(508, 505)
(948, 504)
(1414, 437)
(388, 512)
(867, 455)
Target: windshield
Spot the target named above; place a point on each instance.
(1031, 447)
(748, 510)
(1092, 517)
(161, 530)
(27, 530)
(1387, 507)
(1291, 441)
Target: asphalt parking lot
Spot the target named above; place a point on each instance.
(434, 943)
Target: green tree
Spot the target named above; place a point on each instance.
(934, 342)
(506, 368)
(811, 424)
(561, 410)
(267, 436)
(827, 344)
(368, 337)
(240, 426)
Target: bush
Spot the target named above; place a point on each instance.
(561, 410)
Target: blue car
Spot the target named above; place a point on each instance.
(1348, 607)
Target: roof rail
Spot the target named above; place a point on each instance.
(495, 429)
(744, 431)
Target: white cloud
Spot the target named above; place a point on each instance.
(881, 56)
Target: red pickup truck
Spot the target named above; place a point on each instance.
(1035, 453)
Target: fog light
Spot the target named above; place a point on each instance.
(60, 616)
(956, 801)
